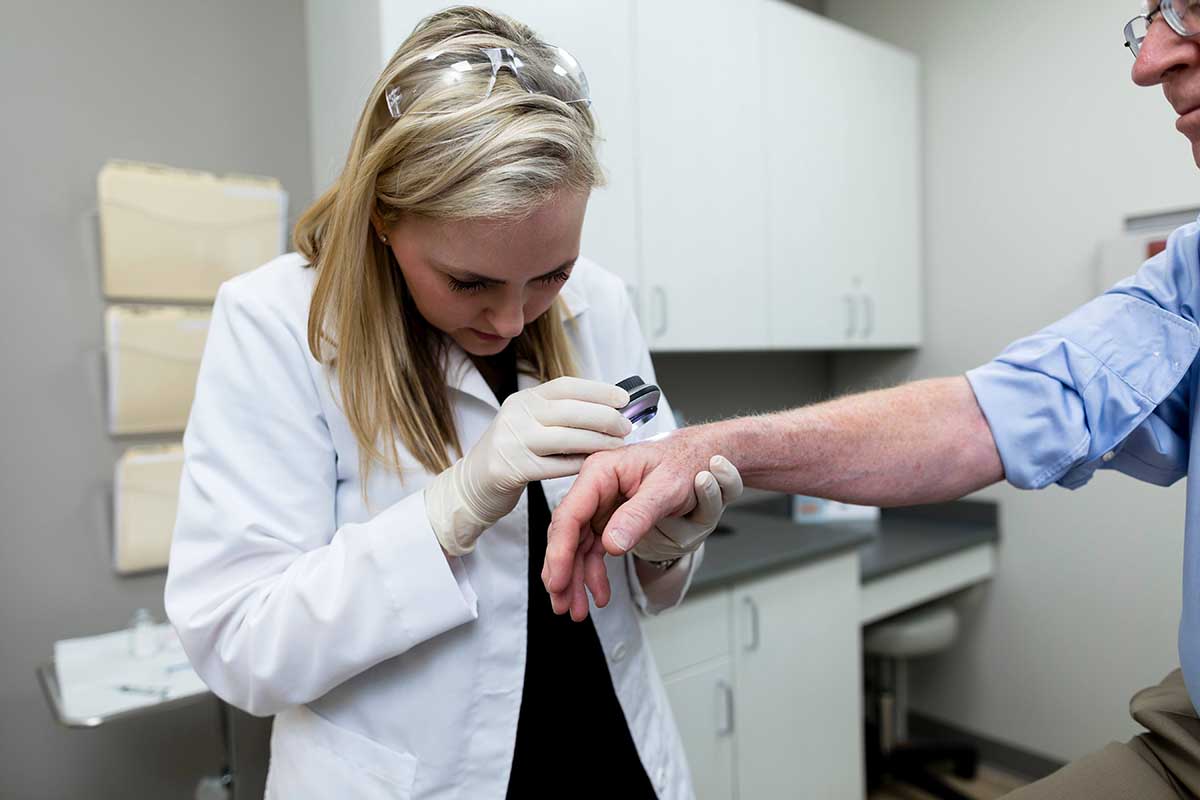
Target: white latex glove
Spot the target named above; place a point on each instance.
(674, 537)
(540, 433)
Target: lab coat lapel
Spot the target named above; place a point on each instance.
(524, 379)
(576, 303)
(464, 377)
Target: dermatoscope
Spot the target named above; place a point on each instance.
(643, 401)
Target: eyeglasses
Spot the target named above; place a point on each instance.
(1182, 15)
(551, 71)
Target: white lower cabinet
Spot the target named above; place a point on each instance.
(798, 681)
(702, 701)
(764, 680)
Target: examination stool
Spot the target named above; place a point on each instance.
(888, 645)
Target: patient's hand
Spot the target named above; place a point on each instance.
(620, 494)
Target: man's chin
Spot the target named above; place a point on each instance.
(1196, 153)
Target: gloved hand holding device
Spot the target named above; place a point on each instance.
(674, 537)
(540, 433)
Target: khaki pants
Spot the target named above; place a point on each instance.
(1163, 763)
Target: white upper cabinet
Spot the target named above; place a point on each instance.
(701, 172)
(843, 185)
(762, 162)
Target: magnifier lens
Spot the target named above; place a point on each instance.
(639, 413)
(642, 420)
(643, 403)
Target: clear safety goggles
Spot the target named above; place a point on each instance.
(551, 71)
(1182, 15)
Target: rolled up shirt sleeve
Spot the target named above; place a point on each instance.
(1104, 387)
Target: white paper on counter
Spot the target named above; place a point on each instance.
(91, 671)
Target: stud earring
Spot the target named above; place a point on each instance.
(383, 238)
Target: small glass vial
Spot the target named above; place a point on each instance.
(143, 638)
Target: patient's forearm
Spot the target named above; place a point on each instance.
(920, 443)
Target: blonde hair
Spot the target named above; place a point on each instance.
(449, 156)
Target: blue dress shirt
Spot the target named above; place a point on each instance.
(1111, 386)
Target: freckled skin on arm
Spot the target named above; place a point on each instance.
(923, 442)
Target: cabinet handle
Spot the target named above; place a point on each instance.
(661, 294)
(869, 307)
(752, 615)
(724, 708)
(851, 315)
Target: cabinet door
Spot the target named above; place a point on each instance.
(797, 680)
(698, 631)
(692, 649)
(701, 174)
(598, 33)
(842, 141)
(702, 702)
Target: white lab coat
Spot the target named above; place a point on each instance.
(393, 671)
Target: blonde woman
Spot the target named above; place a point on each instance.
(381, 425)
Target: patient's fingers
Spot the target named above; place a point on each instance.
(560, 602)
(662, 494)
(570, 521)
(579, 595)
(595, 574)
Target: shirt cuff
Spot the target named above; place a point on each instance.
(668, 589)
(1059, 403)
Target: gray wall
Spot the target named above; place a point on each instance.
(1030, 129)
(816, 6)
(215, 85)
(710, 386)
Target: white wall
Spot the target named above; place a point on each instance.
(1036, 146)
(344, 60)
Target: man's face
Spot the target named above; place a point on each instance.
(1173, 61)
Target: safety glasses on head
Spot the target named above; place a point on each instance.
(549, 70)
(1182, 15)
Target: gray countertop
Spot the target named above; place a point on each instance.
(754, 539)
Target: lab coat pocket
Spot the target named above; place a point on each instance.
(312, 757)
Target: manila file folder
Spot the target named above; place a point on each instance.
(145, 498)
(153, 359)
(173, 234)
